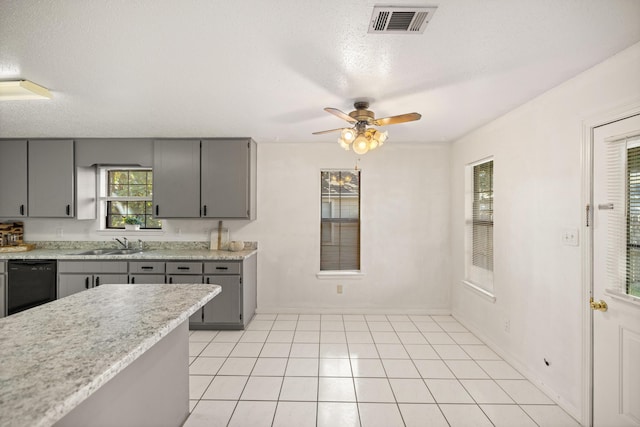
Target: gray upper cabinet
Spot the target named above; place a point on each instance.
(226, 178)
(176, 178)
(13, 178)
(51, 179)
(212, 178)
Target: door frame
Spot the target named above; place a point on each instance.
(588, 126)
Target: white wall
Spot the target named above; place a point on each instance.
(537, 190)
(404, 238)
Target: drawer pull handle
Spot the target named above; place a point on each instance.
(146, 267)
(86, 282)
(68, 210)
(184, 268)
(133, 280)
(21, 209)
(170, 279)
(222, 268)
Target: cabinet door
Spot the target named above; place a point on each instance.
(224, 307)
(106, 279)
(196, 318)
(140, 279)
(13, 178)
(69, 284)
(51, 179)
(184, 278)
(225, 178)
(176, 178)
(3, 298)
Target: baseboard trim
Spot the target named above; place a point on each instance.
(339, 310)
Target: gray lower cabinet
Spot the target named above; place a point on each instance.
(146, 272)
(3, 289)
(142, 279)
(226, 307)
(76, 276)
(235, 306)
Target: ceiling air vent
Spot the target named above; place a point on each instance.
(400, 20)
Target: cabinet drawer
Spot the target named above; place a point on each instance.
(184, 278)
(92, 267)
(184, 268)
(146, 267)
(222, 268)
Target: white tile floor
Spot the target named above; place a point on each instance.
(358, 370)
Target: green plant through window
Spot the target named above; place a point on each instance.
(129, 195)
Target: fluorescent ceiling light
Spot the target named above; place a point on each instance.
(11, 90)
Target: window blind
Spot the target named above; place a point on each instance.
(623, 221)
(340, 220)
(482, 216)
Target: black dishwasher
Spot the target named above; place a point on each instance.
(30, 283)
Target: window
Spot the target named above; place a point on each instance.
(633, 219)
(128, 193)
(340, 220)
(479, 242)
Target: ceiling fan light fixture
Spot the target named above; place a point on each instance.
(348, 135)
(343, 144)
(362, 137)
(361, 144)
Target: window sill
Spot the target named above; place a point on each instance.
(117, 232)
(478, 290)
(347, 274)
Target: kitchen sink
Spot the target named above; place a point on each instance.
(96, 252)
(125, 251)
(109, 252)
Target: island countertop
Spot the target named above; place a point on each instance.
(54, 356)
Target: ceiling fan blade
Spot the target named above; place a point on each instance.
(327, 131)
(342, 115)
(402, 118)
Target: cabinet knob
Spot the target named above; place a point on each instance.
(68, 210)
(21, 209)
(157, 210)
(205, 210)
(86, 282)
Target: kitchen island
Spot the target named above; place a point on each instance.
(112, 355)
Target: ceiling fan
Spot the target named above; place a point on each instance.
(362, 138)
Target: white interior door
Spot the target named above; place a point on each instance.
(616, 274)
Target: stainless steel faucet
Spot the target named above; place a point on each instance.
(124, 244)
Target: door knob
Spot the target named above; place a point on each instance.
(598, 305)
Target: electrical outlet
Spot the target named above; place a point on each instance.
(339, 289)
(570, 237)
(507, 325)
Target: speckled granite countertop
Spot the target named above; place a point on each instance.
(157, 254)
(54, 356)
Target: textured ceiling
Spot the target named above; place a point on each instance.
(267, 68)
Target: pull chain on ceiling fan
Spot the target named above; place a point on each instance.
(364, 138)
